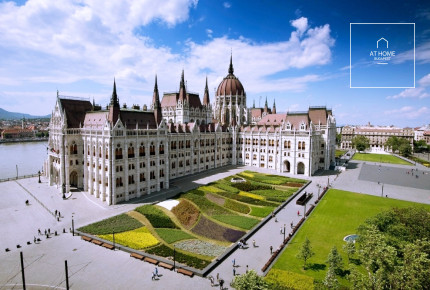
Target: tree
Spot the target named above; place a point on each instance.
(330, 280)
(405, 149)
(360, 143)
(392, 143)
(399, 144)
(338, 138)
(249, 281)
(349, 248)
(334, 259)
(305, 252)
(420, 146)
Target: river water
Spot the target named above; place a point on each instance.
(27, 156)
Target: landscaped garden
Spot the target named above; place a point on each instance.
(339, 152)
(202, 223)
(337, 215)
(382, 158)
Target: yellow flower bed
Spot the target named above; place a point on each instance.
(210, 188)
(246, 174)
(255, 196)
(137, 239)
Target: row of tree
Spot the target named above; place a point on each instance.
(397, 145)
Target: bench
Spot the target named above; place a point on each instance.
(97, 242)
(137, 256)
(150, 260)
(108, 246)
(185, 272)
(85, 238)
(166, 266)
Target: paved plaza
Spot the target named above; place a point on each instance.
(94, 267)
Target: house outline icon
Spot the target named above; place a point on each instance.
(377, 43)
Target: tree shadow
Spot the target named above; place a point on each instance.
(316, 267)
(341, 272)
(355, 261)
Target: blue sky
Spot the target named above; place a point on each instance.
(296, 52)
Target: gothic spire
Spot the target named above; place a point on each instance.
(182, 90)
(206, 100)
(253, 105)
(114, 99)
(274, 107)
(155, 96)
(230, 69)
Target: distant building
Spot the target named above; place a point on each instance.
(377, 135)
(119, 154)
(17, 133)
(420, 131)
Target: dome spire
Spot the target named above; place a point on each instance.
(230, 69)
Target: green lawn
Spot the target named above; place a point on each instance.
(338, 214)
(340, 152)
(173, 235)
(383, 158)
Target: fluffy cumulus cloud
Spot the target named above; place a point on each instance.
(419, 92)
(66, 42)
(409, 112)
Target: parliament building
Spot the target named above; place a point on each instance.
(120, 153)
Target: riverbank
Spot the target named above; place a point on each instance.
(22, 140)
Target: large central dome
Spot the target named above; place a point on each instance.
(230, 85)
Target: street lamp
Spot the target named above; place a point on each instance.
(39, 177)
(382, 192)
(284, 232)
(73, 227)
(174, 260)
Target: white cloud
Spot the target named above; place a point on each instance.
(226, 5)
(409, 112)
(301, 24)
(65, 42)
(422, 54)
(419, 92)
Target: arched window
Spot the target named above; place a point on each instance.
(161, 148)
(118, 153)
(303, 145)
(152, 149)
(141, 150)
(73, 148)
(131, 151)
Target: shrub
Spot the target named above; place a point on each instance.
(137, 239)
(248, 186)
(156, 217)
(261, 211)
(117, 224)
(242, 222)
(165, 251)
(212, 230)
(236, 206)
(173, 235)
(227, 187)
(280, 279)
(186, 213)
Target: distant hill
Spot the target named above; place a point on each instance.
(13, 116)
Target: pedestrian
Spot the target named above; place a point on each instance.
(234, 262)
(39, 232)
(59, 214)
(49, 231)
(217, 277)
(55, 212)
(386, 195)
(212, 280)
(298, 213)
(156, 271)
(246, 268)
(276, 219)
(253, 243)
(271, 250)
(234, 272)
(221, 284)
(34, 240)
(45, 232)
(280, 230)
(292, 224)
(153, 276)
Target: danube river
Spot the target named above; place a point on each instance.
(27, 156)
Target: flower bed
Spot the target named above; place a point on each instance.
(242, 222)
(186, 213)
(251, 195)
(137, 239)
(226, 187)
(249, 186)
(216, 199)
(236, 206)
(201, 247)
(275, 195)
(119, 223)
(165, 251)
(261, 211)
(173, 235)
(205, 205)
(210, 188)
(212, 230)
(156, 217)
(247, 199)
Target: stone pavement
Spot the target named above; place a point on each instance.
(94, 267)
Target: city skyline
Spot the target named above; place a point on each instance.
(295, 53)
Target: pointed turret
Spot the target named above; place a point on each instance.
(230, 69)
(253, 104)
(274, 107)
(266, 107)
(156, 103)
(114, 106)
(182, 90)
(206, 100)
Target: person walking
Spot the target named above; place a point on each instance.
(221, 284)
(212, 280)
(253, 243)
(271, 250)
(156, 271)
(234, 272)
(246, 268)
(234, 262)
(217, 277)
(298, 213)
